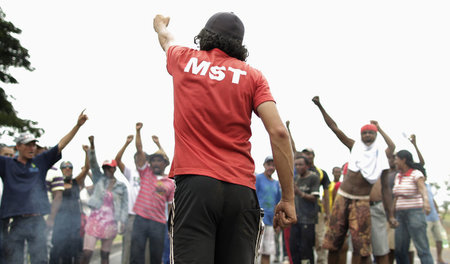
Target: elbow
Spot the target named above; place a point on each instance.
(279, 133)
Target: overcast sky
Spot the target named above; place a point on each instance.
(382, 60)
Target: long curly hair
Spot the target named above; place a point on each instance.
(208, 40)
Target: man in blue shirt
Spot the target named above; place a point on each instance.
(269, 194)
(434, 224)
(25, 201)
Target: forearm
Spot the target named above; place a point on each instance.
(140, 155)
(82, 176)
(292, 140)
(388, 140)
(96, 173)
(283, 158)
(309, 197)
(424, 193)
(327, 118)
(421, 159)
(56, 203)
(333, 126)
(67, 138)
(326, 201)
(119, 154)
(165, 38)
(386, 195)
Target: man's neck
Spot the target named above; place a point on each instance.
(268, 176)
(22, 159)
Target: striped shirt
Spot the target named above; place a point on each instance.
(406, 190)
(153, 195)
(54, 183)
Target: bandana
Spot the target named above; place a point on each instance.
(369, 127)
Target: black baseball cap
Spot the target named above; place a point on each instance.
(226, 24)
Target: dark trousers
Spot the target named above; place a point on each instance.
(31, 229)
(144, 229)
(214, 222)
(302, 242)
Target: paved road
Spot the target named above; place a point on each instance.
(116, 255)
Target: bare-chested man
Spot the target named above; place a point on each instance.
(351, 210)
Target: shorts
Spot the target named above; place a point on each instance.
(268, 241)
(380, 245)
(353, 215)
(435, 229)
(214, 222)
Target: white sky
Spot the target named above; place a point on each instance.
(381, 60)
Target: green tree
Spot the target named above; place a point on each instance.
(12, 54)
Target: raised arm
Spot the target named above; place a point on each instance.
(284, 163)
(84, 171)
(140, 154)
(423, 191)
(156, 141)
(412, 139)
(391, 146)
(120, 153)
(348, 142)
(165, 38)
(294, 150)
(67, 138)
(96, 172)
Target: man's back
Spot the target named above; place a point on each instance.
(214, 96)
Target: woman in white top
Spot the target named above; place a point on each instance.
(411, 200)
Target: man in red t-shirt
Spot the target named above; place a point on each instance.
(216, 217)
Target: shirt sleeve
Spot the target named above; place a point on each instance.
(262, 93)
(172, 57)
(49, 157)
(278, 196)
(325, 180)
(127, 173)
(417, 175)
(57, 184)
(144, 170)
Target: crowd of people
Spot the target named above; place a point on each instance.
(220, 210)
(377, 220)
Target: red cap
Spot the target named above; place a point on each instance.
(369, 127)
(110, 163)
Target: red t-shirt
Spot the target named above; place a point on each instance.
(214, 96)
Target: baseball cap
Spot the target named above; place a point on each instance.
(66, 164)
(159, 153)
(268, 158)
(110, 163)
(25, 138)
(226, 24)
(309, 150)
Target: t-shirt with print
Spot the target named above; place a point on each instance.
(269, 194)
(153, 195)
(133, 187)
(214, 98)
(25, 190)
(406, 190)
(307, 210)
